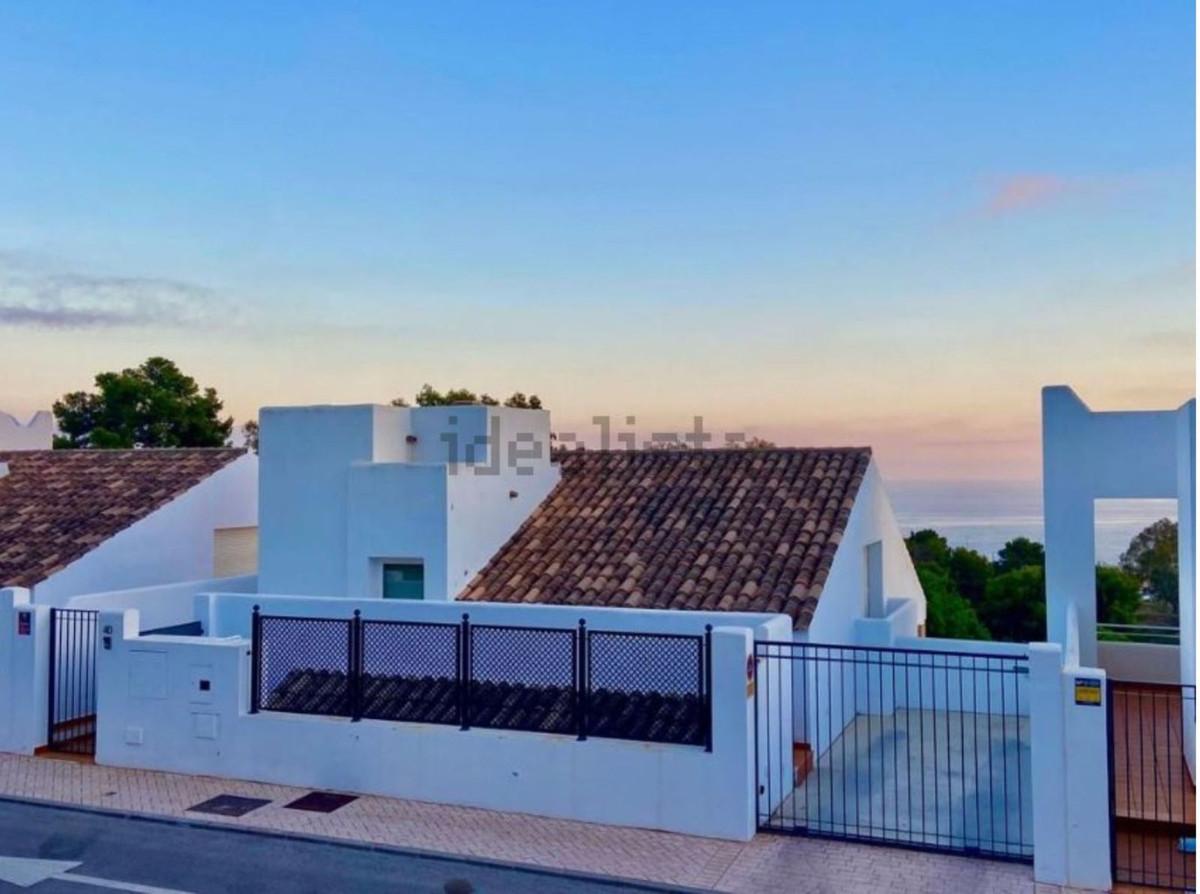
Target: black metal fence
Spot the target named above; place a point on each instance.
(912, 748)
(1152, 794)
(71, 714)
(647, 687)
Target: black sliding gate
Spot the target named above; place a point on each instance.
(904, 747)
(71, 710)
(1152, 794)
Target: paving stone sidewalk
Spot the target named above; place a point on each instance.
(768, 863)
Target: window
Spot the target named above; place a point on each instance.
(235, 551)
(403, 580)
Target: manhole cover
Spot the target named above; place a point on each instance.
(229, 805)
(321, 802)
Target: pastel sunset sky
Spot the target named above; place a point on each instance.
(884, 224)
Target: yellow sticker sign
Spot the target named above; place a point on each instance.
(1087, 691)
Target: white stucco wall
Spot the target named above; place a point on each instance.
(304, 454)
(228, 614)
(1087, 456)
(344, 489)
(844, 597)
(153, 714)
(173, 543)
(163, 605)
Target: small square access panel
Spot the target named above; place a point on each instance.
(229, 805)
(321, 802)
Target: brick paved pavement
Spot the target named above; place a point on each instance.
(768, 863)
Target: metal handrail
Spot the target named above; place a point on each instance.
(1148, 634)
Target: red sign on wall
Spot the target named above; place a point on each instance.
(24, 623)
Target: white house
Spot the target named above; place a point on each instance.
(75, 522)
(465, 502)
(705, 641)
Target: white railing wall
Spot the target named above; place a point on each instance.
(155, 714)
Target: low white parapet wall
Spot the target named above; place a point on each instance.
(1139, 662)
(181, 704)
(164, 605)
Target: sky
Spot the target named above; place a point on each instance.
(823, 224)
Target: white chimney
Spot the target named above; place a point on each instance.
(37, 434)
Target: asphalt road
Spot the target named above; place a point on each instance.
(123, 853)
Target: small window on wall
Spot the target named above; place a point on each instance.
(403, 580)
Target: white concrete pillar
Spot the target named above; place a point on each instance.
(24, 671)
(1069, 773)
(733, 706)
(1185, 457)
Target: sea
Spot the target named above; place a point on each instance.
(984, 515)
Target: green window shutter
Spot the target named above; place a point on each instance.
(403, 580)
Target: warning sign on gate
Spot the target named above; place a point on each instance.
(1087, 691)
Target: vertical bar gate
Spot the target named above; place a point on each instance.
(907, 747)
(71, 714)
(1152, 792)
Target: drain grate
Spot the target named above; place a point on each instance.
(321, 802)
(228, 805)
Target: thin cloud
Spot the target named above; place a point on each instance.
(1167, 340)
(1031, 191)
(1026, 192)
(33, 297)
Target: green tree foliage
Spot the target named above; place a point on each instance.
(1153, 558)
(1014, 605)
(970, 572)
(947, 613)
(250, 433)
(1020, 552)
(1007, 598)
(152, 405)
(751, 443)
(1118, 595)
(928, 547)
(429, 396)
(521, 402)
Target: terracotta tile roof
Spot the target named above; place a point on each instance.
(726, 530)
(57, 505)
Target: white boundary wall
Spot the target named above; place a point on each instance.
(155, 714)
(164, 606)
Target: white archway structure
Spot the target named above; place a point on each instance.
(1087, 456)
